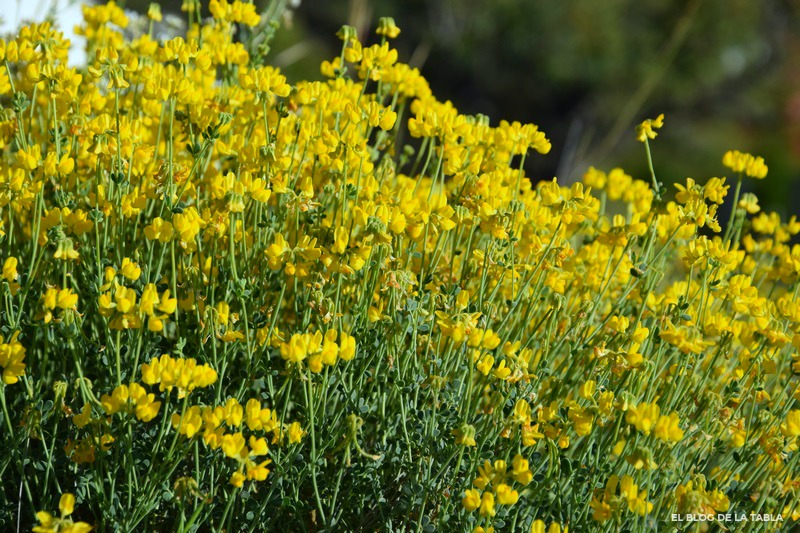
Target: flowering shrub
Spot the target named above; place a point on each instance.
(231, 302)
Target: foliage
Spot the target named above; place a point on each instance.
(230, 302)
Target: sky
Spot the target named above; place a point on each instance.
(67, 15)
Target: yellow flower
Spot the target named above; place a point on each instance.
(12, 354)
(144, 404)
(791, 427)
(538, 526)
(485, 475)
(237, 479)
(62, 298)
(181, 373)
(85, 417)
(66, 504)
(258, 447)
(387, 28)
(693, 497)
(485, 364)
(667, 428)
(748, 164)
(531, 434)
(10, 269)
(715, 190)
(501, 371)
(232, 413)
(258, 472)
(154, 12)
(646, 130)
(506, 495)
(347, 347)
(643, 416)
(159, 230)
(487, 504)
(749, 202)
(267, 80)
(114, 403)
(520, 470)
(50, 524)
(582, 420)
(471, 499)
(188, 423)
(619, 323)
(130, 269)
(233, 446)
(596, 179)
(124, 299)
(296, 350)
(465, 435)
(637, 502)
(55, 167)
(295, 433)
(223, 313)
(236, 11)
(587, 390)
(29, 158)
(107, 61)
(66, 250)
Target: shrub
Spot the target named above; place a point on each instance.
(230, 302)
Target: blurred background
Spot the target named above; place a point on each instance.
(726, 73)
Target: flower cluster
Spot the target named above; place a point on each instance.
(11, 355)
(183, 374)
(64, 524)
(492, 486)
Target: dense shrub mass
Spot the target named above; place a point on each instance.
(233, 303)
